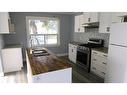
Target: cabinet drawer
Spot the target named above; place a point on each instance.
(97, 53)
(94, 69)
(99, 60)
(101, 74)
(98, 67)
(97, 72)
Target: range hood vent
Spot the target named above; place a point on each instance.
(91, 25)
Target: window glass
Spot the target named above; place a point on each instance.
(51, 39)
(43, 31)
(37, 40)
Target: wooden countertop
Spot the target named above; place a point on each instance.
(101, 49)
(43, 64)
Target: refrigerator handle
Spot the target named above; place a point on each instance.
(118, 45)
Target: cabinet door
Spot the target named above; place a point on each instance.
(91, 17)
(12, 59)
(105, 22)
(86, 17)
(4, 25)
(77, 25)
(117, 17)
(121, 14)
(74, 53)
(70, 52)
(94, 17)
(79, 20)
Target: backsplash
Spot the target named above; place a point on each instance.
(91, 33)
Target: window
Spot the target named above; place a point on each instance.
(43, 31)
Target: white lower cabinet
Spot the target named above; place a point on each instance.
(12, 59)
(59, 76)
(72, 52)
(98, 63)
(104, 22)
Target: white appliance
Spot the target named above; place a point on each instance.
(117, 55)
(12, 59)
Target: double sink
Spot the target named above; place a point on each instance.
(40, 52)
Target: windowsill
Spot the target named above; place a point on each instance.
(46, 46)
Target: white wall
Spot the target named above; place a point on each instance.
(1, 46)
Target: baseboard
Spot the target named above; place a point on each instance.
(62, 54)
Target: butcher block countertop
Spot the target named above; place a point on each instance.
(45, 63)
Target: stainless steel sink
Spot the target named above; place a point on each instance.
(41, 52)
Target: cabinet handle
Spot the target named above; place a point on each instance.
(72, 50)
(38, 78)
(88, 19)
(108, 29)
(9, 24)
(78, 29)
(103, 73)
(104, 63)
(95, 59)
(105, 55)
(94, 52)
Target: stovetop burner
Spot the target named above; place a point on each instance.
(90, 45)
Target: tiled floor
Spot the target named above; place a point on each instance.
(79, 75)
(14, 77)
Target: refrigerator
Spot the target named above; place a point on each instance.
(117, 55)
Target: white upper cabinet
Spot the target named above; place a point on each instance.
(121, 13)
(117, 17)
(87, 17)
(94, 17)
(91, 17)
(79, 20)
(6, 26)
(107, 18)
(105, 22)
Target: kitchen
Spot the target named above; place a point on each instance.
(88, 32)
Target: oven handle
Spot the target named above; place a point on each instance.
(83, 51)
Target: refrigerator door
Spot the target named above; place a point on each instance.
(117, 65)
(118, 34)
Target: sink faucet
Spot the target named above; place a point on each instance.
(31, 41)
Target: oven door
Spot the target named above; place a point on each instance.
(83, 58)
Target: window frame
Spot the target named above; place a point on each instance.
(41, 18)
